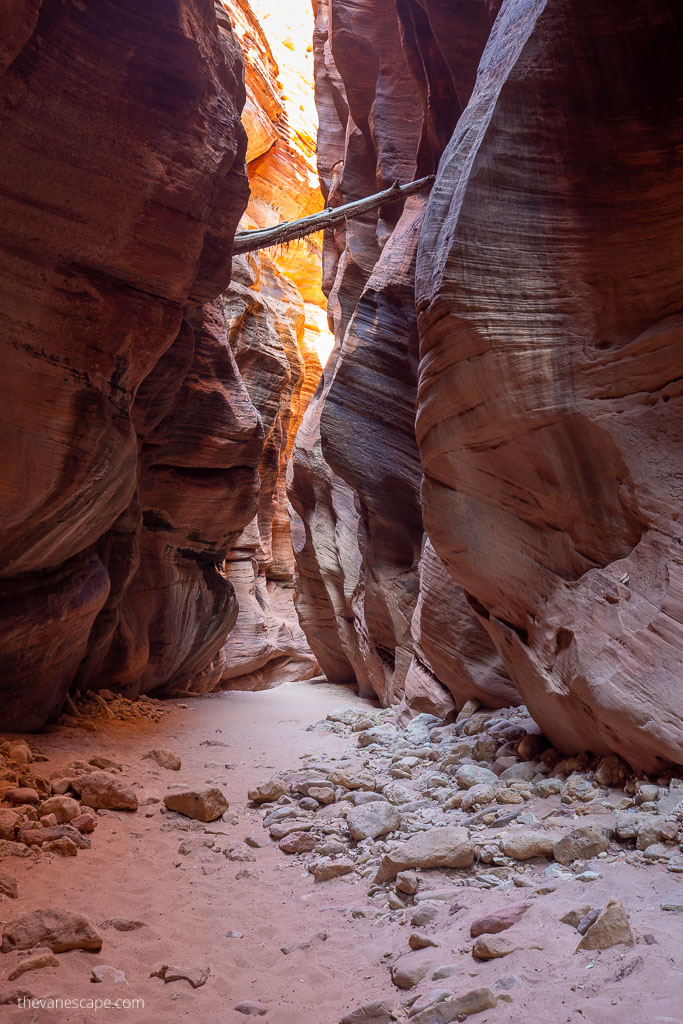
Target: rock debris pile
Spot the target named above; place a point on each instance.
(421, 814)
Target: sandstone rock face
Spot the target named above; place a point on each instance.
(354, 607)
(549, 404)
(129, 444)
(357, 523)
(266, 315)
(539, 560)
(276, 331)
(59, 930)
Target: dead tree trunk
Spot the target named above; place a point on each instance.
(263, 238)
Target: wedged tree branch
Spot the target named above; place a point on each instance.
(263, 238)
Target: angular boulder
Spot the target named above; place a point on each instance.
(448, 847)
(207, 804)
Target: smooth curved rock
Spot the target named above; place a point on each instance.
(549, 396)
(100, 260)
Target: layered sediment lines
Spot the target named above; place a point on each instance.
(549, 410)
(129, 444)
(355, 475)
(503, 474)
(276, 322)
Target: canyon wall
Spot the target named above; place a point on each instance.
(148, 411)
(366, 591)
(549, 420)
(485, 489)
(277, 329)
(129, 444)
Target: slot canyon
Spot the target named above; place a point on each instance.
(341, 565)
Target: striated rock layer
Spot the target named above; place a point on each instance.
(265, 312)
(362, 599)
(129, 444)
(548, 415)
(277, 332)
(549, 411)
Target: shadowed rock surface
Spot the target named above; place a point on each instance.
(549, 407)
(124, 423)
(357, 505)
(548, 416)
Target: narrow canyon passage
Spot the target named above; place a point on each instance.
(341, 603)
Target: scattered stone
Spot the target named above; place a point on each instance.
(240, 853)
(201, 804)
(34, 836)
(418, 940)
(22, 795)
(581, 844)
(372, 820)
(424, 914)
(10, 849)
(378, 1012)
(308, 804)
(469, 775)
(384, 735)
(352, 780)
(481, 794)
(60, 930)
(250, 1008)
(526, 845)
(476, 1001)
(197, 976)
(103, 972)
(612, 928)
(9, 822)
(408, 971)
(499, 921)
(100, 789)
(323, 870)
(165, 758)
(298, 842)
(576, 915)
(589, 919)
(256, 842)
(268, 791)
(494, 948)
(323, 794)
(62, 847)
(406, 882)
(123, 924)
(14, 996)
(673, 903)
(64, 808)
(445, 971)
(611, 772)
(39, 958)
(8, 886)
(448, 847)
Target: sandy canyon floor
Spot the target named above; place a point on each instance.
(199, 909)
